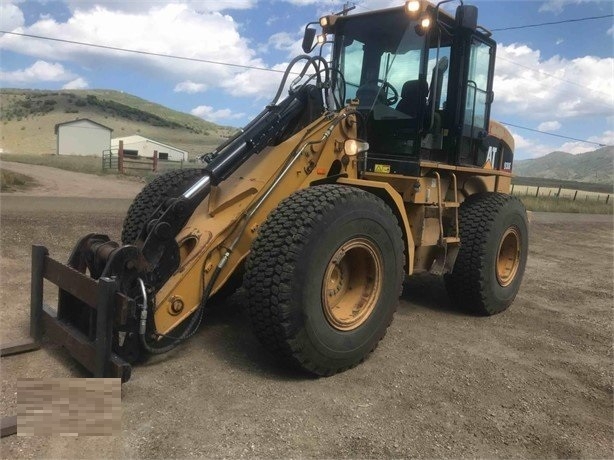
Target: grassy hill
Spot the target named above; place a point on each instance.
(596, 166)
(28, 118)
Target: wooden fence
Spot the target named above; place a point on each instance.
(115, 159)
(559, 192)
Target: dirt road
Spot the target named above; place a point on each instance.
(60, 183)
(535, 381)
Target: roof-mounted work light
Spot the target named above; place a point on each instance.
(413, 8)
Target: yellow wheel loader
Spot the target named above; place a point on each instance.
(380, 162)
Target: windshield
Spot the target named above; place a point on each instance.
(381, 61)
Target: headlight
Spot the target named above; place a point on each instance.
(353, 147)
(321, 39)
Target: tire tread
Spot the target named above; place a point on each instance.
(466, 284)
(269, 269)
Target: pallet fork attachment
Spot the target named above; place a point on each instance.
(83, 322)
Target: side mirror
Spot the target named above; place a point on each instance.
(467, 17)
(308, 39)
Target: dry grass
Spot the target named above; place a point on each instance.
(11, 181)
(554, 204)
(89, 165)
(552, 192)
(551, 199)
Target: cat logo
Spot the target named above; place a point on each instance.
(491, 158)
(385, 169)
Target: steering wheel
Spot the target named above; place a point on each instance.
(377, 91)
(384, 90)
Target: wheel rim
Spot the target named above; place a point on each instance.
(352, 284)
(508, 256)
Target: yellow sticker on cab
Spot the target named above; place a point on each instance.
(385, 169)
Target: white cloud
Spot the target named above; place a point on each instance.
(208, 113)
(303, 2)
(549, 126)
(575, 147)
(190, 87)
(11, 17)
(172, 29)
(525, 83)
(611, 31)
(255, 83)
(135, 6)
(40, 71)
(77, 83)
(290, 43)
(557, 6)
(607, 138)
(527, 148)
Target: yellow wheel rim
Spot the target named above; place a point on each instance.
(508, 256)
(352, 284)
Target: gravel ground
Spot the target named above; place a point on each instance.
(535, 381)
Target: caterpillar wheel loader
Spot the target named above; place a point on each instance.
(380, 162)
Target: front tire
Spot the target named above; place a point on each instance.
(491, 261)
(324, 277)
(168, 185)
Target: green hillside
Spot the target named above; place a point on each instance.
(29, 117)
(596, 166)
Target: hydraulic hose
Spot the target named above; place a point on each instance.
(255, 136)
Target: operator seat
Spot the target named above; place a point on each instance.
(413, 96)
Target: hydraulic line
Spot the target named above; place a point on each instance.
(198, 315)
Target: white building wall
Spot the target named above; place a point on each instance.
(83, 137)
(146, 148)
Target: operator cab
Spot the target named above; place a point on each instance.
(423, 80)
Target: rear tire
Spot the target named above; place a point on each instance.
(324, 276)
(493, 253)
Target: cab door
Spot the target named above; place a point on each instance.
(478, 98)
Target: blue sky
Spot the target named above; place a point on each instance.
(557, 78)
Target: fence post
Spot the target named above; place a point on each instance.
(558, 193)
(512, 192)
(120, 158)
(607, 198)
(155, 161)
(537, 192)
(575, 195)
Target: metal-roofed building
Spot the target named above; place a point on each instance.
(138, 146)
(82, 137)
